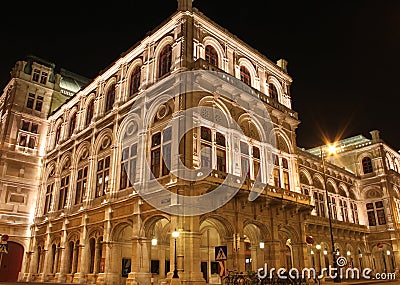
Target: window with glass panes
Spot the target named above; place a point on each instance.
(81, 183)
(221, 152)
(376, 213)
(64, 185)
(165, 60)
(72, 124)
(344, 210)
(256, 164)
(48, 197)
(40, 75)
(135, 80)
(128, 166)
(161, 153)
(273, 93)
(245, 75)
(245, 159)
(206, 147)
(285, 174)
(277, 175)
(58, 134)
(319, 201)
(367, 165)
(354, 212)
(332, 206)
(110, 98)
(34, 102)
(89, 113)
(211, 55)
(102, 176)
(28, 135)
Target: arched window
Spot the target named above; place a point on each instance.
(72, 124)
(165, 61)
(64, 186)
(89, 113)
(245, 75)
(367, 165)
(273, 93)
(110, 98)
(211, 55)
(135, 81)
(58, 134)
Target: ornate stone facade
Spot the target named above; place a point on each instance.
(113, 141)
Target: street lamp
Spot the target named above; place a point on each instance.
(175, 235)
(331, 150)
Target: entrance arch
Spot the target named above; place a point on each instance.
(11, 263)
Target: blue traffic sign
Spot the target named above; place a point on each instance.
(221, 253)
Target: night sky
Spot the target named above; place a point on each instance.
(344, 56)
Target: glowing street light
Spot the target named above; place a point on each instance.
(175, 235)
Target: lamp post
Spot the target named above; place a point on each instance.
(335, 267)
(175, 235)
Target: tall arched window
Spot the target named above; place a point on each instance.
(367, 165)
(135, 81)
(245, 75)
(211, 55)
(110, 98)
(165, 61)
(72, 124)
(58, 134)
(273, 93)
(89, 112)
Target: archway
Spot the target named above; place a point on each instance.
(11, 263)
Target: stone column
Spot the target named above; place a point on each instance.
(83, 254)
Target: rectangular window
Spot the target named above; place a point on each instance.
(31, 101)
(102, 177)
(36, 75)
(62, 201)
(49, 196)
(245, 167)
(43, 78)
(221, 160)
(81, 185)
(128, 167)
(286, 184)
(277, 179)
(205, 156)
(39, 103)
(381, 216)
(34, 102)
(371, 218)
(23, 139)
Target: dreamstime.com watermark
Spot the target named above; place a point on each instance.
(344, 271)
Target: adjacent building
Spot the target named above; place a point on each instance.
(110, 171)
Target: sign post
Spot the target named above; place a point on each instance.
(221, 255)
(3, 247)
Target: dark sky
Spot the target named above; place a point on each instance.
(344, 56)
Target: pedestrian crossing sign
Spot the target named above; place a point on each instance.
(221, 253)
(4, 248)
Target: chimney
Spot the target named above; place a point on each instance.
(282, 63)
(375, 136)
(185, 5)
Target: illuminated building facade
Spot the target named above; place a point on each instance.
(36, 89)
(92, 226)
